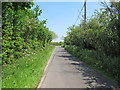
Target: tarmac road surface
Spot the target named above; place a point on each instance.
(64, 71)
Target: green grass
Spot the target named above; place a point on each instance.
(106, 65)
(27, 72)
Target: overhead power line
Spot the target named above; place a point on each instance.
(78, 17)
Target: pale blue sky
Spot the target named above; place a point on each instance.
(61, 15)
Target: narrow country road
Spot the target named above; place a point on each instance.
(64, 71)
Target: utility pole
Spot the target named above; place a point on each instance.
(85, 11)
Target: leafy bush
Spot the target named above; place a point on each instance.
(22, 30)
(101, 32)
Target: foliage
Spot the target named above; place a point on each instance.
(101, 32)
(54, 36)
(27, 72)
(57, 43)
(22, 30)
(97, 41)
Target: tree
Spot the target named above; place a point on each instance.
(54, 36)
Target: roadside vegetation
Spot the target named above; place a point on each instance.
(22, 30)
(27, 71)
(25, 45)
(97, 41)
(57, 43)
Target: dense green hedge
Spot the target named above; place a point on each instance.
(101, 32)
(21, 30)
(97, 41)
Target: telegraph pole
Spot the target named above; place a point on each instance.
(85, 11)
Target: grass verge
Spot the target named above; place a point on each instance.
(106, 65)
(27, 72)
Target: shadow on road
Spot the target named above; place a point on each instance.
(91, 78)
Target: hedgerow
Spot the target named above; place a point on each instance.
(101, 32)
(22, 30)
(97, 41)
